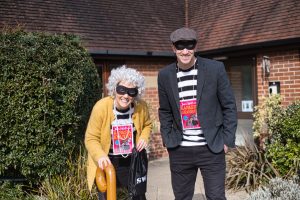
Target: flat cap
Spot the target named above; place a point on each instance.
(183, 34)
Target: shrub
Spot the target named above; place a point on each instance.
(73, 184)
(248, 167)
(69, 186)
(289, 125)
(266, 116)
(277, 189)
(49, 84)
(10, 191)
(277, 130)
(284, 147)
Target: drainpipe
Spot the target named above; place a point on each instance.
(186, 2)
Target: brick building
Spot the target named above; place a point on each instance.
(258, 41)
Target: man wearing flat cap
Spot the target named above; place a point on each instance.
(198, 118)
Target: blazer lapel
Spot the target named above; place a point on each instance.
(200, 79)
(174, 85)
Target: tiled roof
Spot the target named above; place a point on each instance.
(230, 23)
(132, 27)
(117, 26)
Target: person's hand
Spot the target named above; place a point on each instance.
(141, 145)
(225, 148)
(103, 162)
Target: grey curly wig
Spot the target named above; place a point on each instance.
(128, 75)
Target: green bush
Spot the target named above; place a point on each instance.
(10, 191)
(266, 116)
(289, 125)
(277, 154)
(49, 84)
(248, 168)
(73, 184)
(69, 186)
(277, 130)
(284, 147)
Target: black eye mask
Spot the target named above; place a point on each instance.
(189, 45)
(133, 92)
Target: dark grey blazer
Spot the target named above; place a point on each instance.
(216, 107)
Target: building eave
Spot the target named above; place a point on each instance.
(131, 53)
(256, 46)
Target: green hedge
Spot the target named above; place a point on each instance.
(48, 85)
(284, 147)
(10, 191)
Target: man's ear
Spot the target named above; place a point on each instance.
(173, 48)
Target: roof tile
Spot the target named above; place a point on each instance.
(229, 23)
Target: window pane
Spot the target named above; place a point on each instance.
(241, 80)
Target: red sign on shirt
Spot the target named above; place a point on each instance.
(122, 139)
(188, 110)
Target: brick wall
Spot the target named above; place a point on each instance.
(150, 68)
(285, 67)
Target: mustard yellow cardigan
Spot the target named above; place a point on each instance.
(98, 133)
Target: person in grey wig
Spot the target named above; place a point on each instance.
(118, 123)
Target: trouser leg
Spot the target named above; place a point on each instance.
(183, 173)
(101, 195)
(184, 164)
(213, 166)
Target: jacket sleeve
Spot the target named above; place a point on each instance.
(93, 134)
(164, 111)
(146, 123)
(228, 105)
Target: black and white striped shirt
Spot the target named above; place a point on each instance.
(187, 88)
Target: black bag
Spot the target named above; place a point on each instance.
(137, 180)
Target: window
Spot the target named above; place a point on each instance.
(241, 74)
(104, 69)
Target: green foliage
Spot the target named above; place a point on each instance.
(266, 116)
(248, 168)
(289, 125)
(278, 133)
(278, 189)
(9, 191)
(122, 193)
(49, 84)
(73, 185)
(284, 148)
(69, 186)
